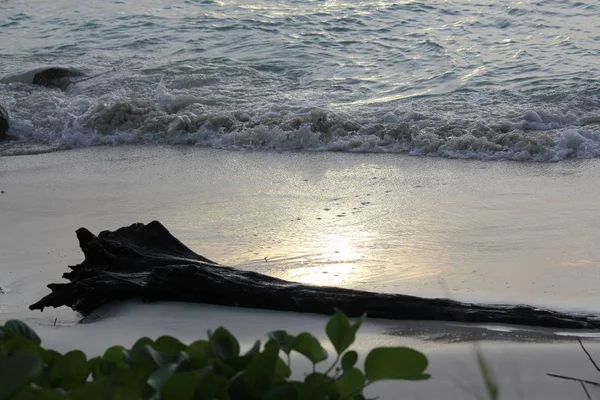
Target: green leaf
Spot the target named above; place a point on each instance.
(307, 345)
(349, 360)
(261, 371)
(284, 339)
(168, 365)
(350, 382)
(340, 331)
(138, 350)
(41, 393)
(118, 368)
(356, 326)
(118, 354)
(282, 371)
(212, 386)
(181, 386)
(255, 349)
(21, 328)
(201, 352)
(50, 357)
(223, 368)
(161, 375)
(242, 362)
(317, 386)
(140, 345)
(71, 370)
(103, 389)
(237, 389)
(141, 360)
(169, 345)
(16, 371)
(223, 344)
(286, 391)
(14, 342)
(91, 366)
(395, 363)
(159, 358)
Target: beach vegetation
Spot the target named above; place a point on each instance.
(210, 368)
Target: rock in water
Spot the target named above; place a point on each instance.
(3, 122)
(147, 262)
(55, 77)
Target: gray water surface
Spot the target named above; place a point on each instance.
(471, 79)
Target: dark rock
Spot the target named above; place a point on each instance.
(55, 77)
(3, 122)
(147, 262)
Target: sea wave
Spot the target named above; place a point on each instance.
(61, 121)
(462, 79)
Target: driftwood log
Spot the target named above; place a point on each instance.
(147, 262)
(3, 122)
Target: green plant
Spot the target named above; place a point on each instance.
(166, 368)
(488, 379)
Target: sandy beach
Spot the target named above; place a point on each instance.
(444, 148)
(491, 232)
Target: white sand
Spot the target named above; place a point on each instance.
(520, 368)
(483, 231)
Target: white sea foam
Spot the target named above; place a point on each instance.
(52, 119)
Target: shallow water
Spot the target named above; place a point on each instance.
(491, 80)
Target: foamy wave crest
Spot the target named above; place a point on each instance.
(168, 118)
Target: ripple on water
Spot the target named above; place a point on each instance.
(471, 71)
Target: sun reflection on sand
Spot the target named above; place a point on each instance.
(335, 257)
(324, 275)
(350, 254)
(325, 248)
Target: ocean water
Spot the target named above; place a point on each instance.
(492, 80)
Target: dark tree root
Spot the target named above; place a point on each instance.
(147, 262)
